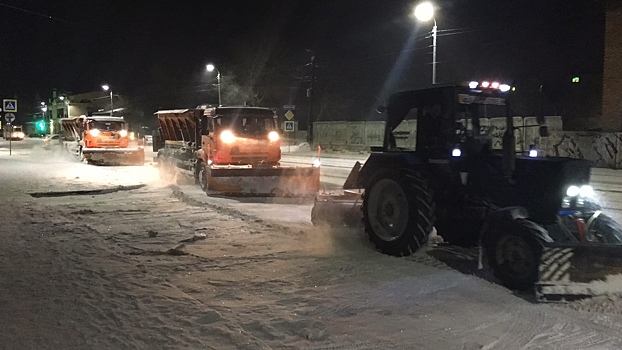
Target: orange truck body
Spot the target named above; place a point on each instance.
(240, 147)
(101, 139)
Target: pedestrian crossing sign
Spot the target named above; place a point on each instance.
(9, 106)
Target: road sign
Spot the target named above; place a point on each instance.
(9, 105)
(9, 117)
(289, 107)
(289, 115)
(290, 126)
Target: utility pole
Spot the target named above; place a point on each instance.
(310, 96)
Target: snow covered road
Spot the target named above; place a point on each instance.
(112, 258)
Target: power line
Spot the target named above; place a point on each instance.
(36, 13)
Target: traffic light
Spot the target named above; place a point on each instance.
(41, 125)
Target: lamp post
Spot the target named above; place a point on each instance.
(210, 68)
(44, 109)
(425, 12)
(106, 87)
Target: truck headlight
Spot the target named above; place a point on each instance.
(227, 136)
(123, 133)
(273, 136)
(94, 132)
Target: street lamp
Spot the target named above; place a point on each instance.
(425, 12)
(106, 87)
(210, 68)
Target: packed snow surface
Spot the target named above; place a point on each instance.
(113, 258)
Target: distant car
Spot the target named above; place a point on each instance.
(51, 140)
(17, 136)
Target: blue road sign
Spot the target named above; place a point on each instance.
(9, 105)
(289, 107)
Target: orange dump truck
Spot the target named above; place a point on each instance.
(101, 140)
(230, 151)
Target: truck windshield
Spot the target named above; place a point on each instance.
(249, 125)
(106, 125)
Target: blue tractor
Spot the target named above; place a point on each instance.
(534, 217)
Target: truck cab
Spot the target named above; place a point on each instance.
(240, 136)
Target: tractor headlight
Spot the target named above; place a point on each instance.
(123, 133)
(573, 191)
(584, 191)
(94, 132)
(273, 136)
(227, 136)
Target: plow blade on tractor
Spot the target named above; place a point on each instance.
(575, 272)
(116, 156)
(264, 182)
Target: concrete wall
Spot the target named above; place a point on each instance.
(601, 148)
(612, 62)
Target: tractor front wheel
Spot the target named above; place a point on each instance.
(514, 255)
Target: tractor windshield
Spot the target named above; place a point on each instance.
(475, 106)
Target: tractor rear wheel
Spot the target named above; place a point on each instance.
(514, 255)
(398, 212)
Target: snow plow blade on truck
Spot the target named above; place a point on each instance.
(232, 151)
(534, 220)
(101, 140)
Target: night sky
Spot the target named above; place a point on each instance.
(156, 52)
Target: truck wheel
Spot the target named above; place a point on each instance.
(203, 176)
(513, 255)
(398, 212)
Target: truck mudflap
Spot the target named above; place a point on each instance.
(114, 156)
(263, 182)
(570, 272)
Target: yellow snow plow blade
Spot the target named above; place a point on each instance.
(115, 156)
(277, 182)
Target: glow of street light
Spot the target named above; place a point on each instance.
(62, 98)
(424, 11)
(43, 103)
(210, 67)
(105, 87)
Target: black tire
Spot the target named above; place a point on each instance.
(514, 254)
(606, 230)
(203, 177)
(398, 212)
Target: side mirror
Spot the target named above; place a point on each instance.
(544, 131)
(381, 109)
(204, 127)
